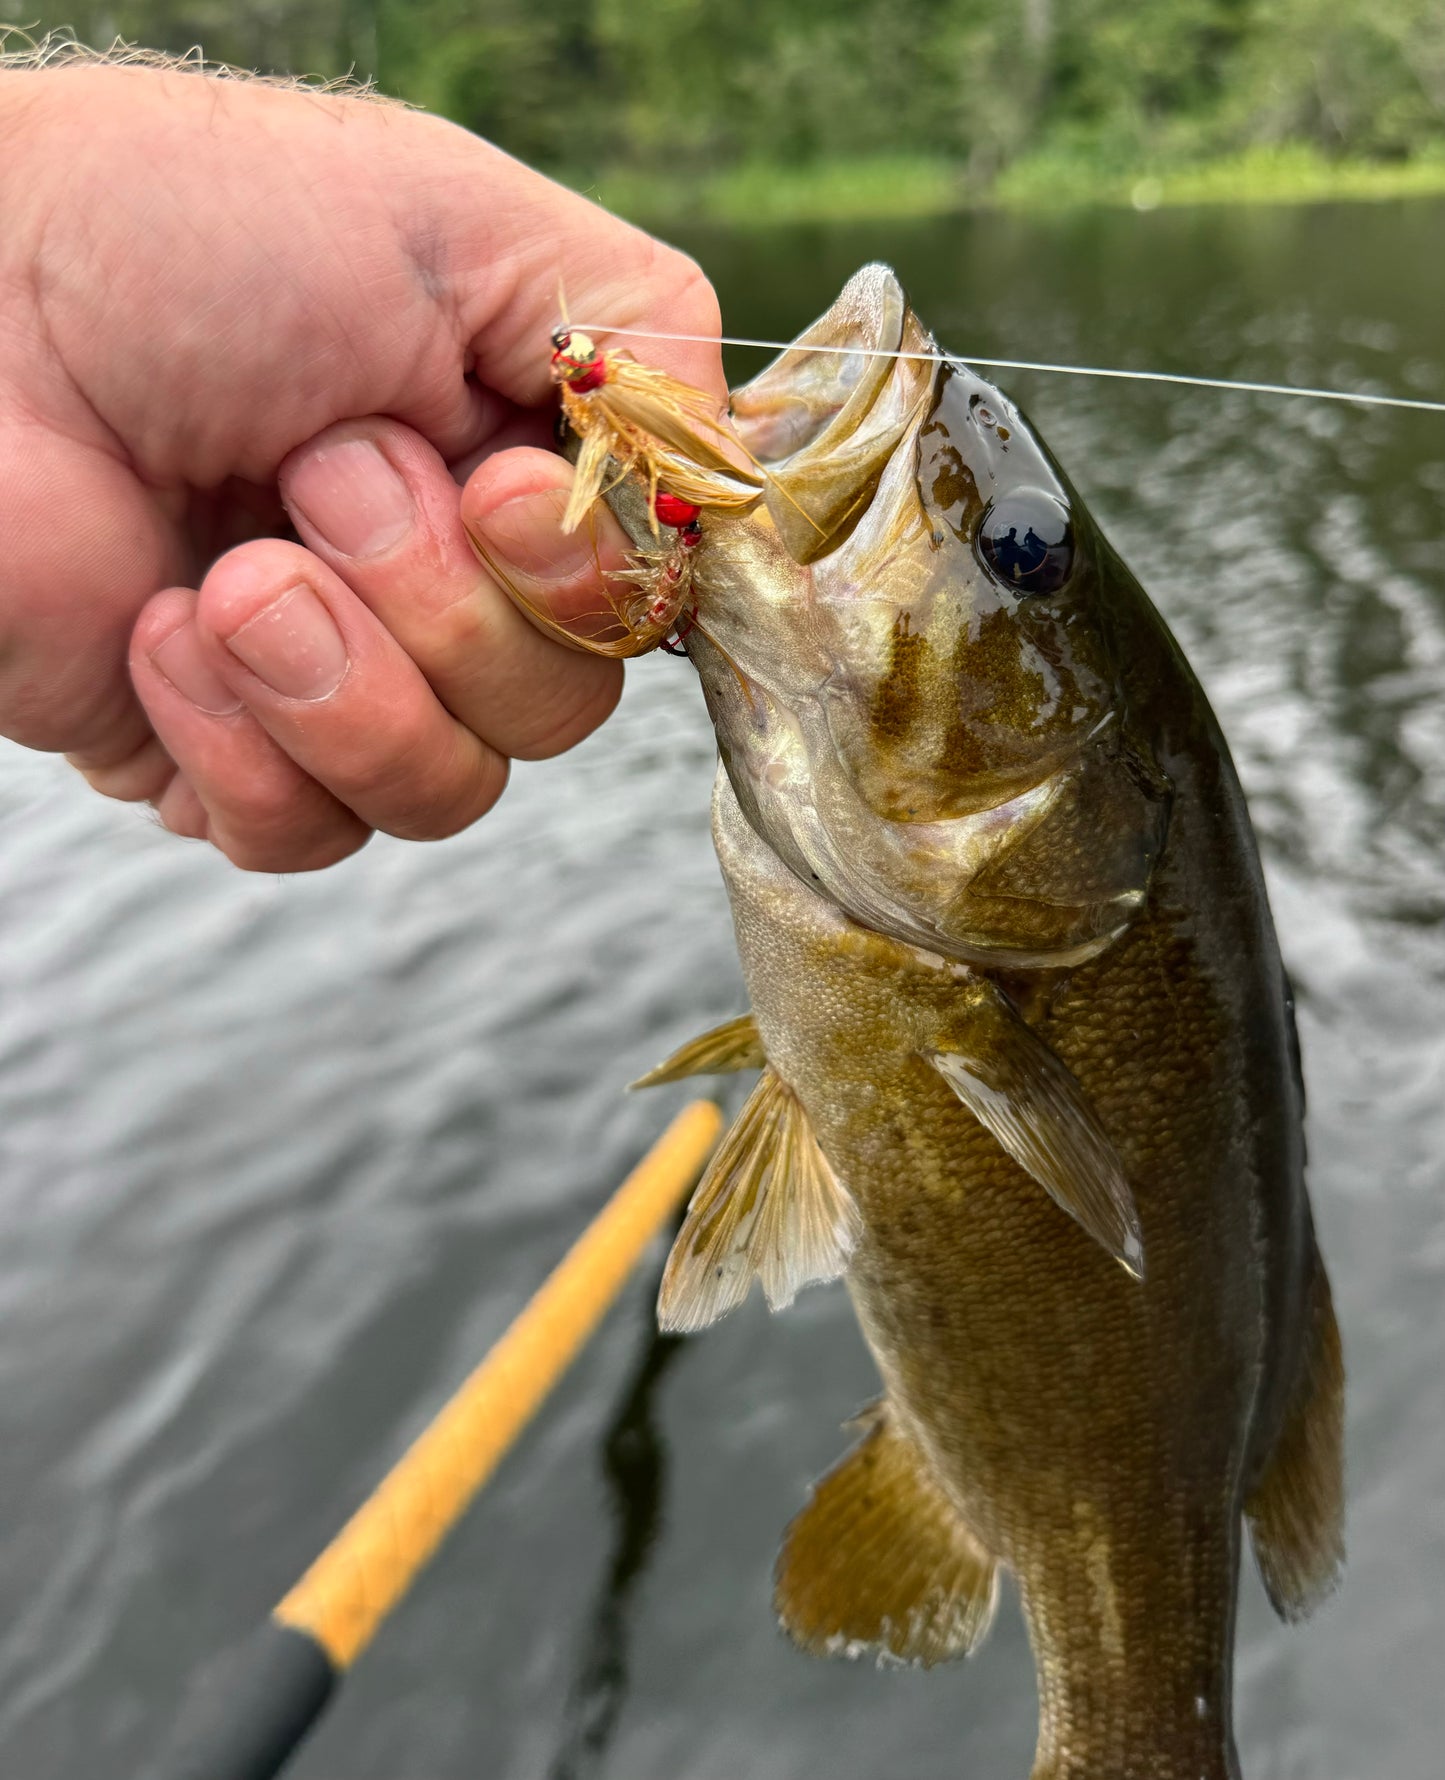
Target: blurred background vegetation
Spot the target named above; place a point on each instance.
(774, 109)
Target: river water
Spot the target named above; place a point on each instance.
(280, 1158)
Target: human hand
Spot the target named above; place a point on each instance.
(216, 297)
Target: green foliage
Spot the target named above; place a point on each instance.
(1291, 172)
(1352, 78)
(754, 193)
(759, 107)
(327, 37)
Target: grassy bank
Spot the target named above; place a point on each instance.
(902, 186)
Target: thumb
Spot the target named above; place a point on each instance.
(512, 509)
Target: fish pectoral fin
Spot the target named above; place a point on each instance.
(880, 1561)
(725, 1048)
(1296, 1512)
(769, 1204)
(1016, 1087)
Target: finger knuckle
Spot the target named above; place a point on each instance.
(428, 800)
(280, 853)
(558, 724)
(265, 808)
(141, 777)
(332, 849)
(269, 820)
(687, 289)
(247, 853)
(186, 819)
(459, 629)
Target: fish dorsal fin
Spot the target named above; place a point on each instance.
(880, 1563)
(1296, 1511)
(769, 1204)
(725, 1048)
(1016, 1087)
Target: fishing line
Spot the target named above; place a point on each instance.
(1019, 364)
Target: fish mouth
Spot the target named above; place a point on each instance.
(813, 395)
(827, 415)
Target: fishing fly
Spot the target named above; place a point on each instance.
(646, 423)
(634, 421)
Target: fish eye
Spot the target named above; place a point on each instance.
(1026, 540)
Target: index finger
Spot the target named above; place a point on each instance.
(529, 246)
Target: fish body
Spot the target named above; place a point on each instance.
(1030, 1074)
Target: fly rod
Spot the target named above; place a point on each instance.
(246, 1725)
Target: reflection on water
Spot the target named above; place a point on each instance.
(278, 1160)
(634, 1462)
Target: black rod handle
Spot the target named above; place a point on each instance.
(244, 1720)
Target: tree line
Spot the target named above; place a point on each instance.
(669, 87)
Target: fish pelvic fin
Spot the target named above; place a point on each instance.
(880, 1563)
(1017, 1088)
(735, 1045)
(769, 1205)
(1296, 1513)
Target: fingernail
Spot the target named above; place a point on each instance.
(293, 645)
(352, 494)
(181, 661)
(526, 533)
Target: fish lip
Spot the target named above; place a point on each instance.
(828, 416)
(869, 315)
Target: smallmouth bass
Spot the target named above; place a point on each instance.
(1030, 1079)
